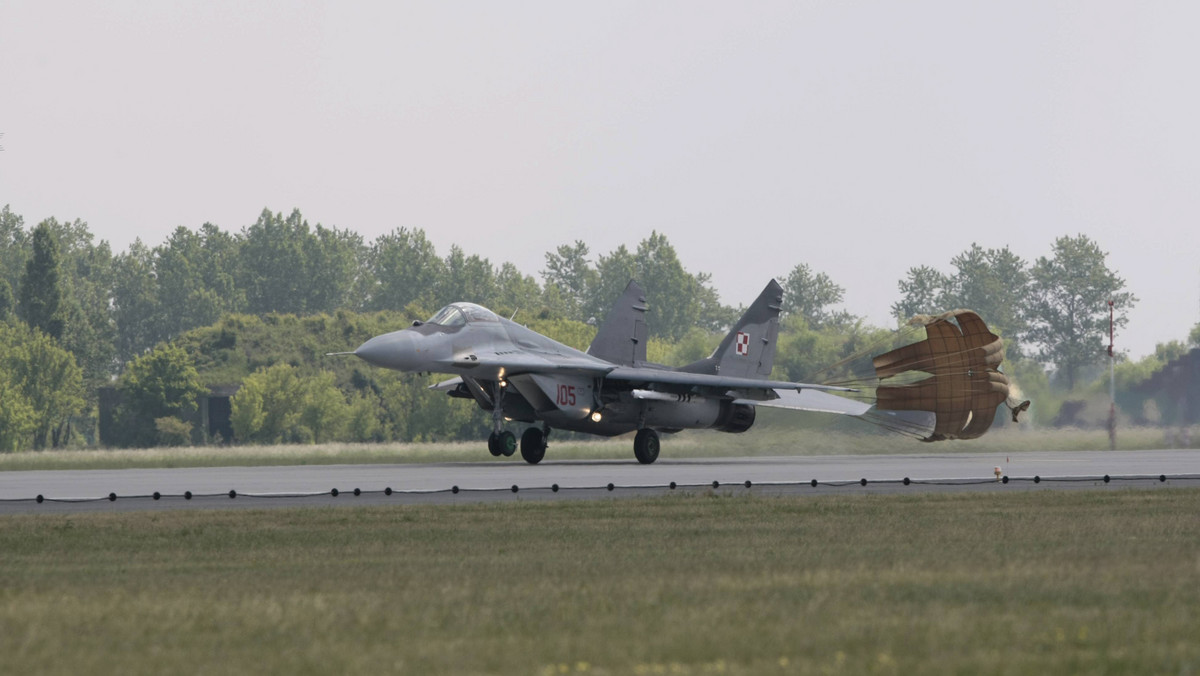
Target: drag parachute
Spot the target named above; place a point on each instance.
(946, 386)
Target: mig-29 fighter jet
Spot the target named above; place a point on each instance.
(520, 375)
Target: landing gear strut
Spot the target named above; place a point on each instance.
(533, 445)
(645, 446)
(501, 442)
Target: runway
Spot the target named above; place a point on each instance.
(461, 482)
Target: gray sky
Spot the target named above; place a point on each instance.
(862, 138)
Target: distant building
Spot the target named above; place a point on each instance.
(211, 421)
(216, 412)
(1176, 390)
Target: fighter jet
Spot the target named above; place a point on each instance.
(520, 375)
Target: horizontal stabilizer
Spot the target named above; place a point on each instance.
(812, 400)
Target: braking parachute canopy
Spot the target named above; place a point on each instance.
(947, 386)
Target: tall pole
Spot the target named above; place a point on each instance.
(1112, 384)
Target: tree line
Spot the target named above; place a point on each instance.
(111, 307)
(1055, 308)
(109, 313)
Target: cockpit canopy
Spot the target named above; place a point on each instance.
(457, 314)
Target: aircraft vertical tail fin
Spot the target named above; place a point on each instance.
(748, 350)
(622, 337)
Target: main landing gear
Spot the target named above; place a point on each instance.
(533, 444)
(645, 446)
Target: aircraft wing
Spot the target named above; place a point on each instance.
(447, 385)
(812, 400)
(648, 376)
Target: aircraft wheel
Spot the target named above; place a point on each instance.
(533, 445)
(507, 443)
(645, 446)
(494, 444)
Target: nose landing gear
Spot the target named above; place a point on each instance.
(502, 443)
(533, 444)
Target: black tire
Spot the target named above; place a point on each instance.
(533, 445)
(645, 446)
(507, 442)
(494, 444)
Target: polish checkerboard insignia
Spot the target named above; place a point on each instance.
(742, 345)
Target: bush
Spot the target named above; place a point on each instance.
(278, 404)
(18, 420)
(42, 388)
(173, 431)
(162, 384)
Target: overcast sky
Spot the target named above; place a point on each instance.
(862, 138)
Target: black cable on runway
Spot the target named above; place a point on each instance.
(612, 487)
(269, 496)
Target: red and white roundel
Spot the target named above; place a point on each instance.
(742, 344)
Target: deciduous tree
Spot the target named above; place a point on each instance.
(324, 412)
(88, 279)
(995, 284)
(47, 378)
(568, 269)
(41, 286)
(613, 273)
(18, 420)
(268, 405)
(136, 308)
(671, 292)
(1068, 313)
(466, 278)
(163, 383)
(921, 292)
(286, 266)
(809, 295)
(6, 300)
(183, 293)
(279, 403)
(14, 247)
(402, 267)
(517, 292)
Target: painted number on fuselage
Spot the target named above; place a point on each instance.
(566, 395)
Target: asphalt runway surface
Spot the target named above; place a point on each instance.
(462, 482)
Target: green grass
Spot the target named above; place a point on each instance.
(1014, 583)
(778, 433)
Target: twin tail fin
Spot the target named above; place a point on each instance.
(748, 350)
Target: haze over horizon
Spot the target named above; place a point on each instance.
(860, 138)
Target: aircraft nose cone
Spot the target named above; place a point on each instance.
(391, 350)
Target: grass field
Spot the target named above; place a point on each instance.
(1018, 583)
(779, 433)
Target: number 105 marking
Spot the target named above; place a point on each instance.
(566, 395)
